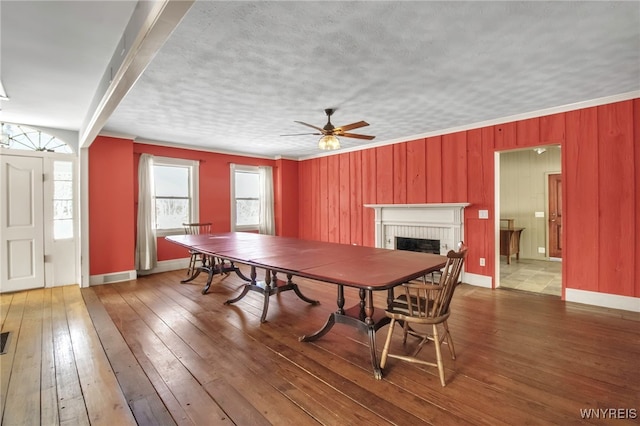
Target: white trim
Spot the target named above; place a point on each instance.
(421, 205)
(163, 266)
(195, 148)
(50, 245)
(233, 168)
(112, 277)
(194, 189)
(445, 221)
(496, 218)
(439, 132)
(148, 29)
(605, 300)
(83, 249)
(477, 280)
(168, 265)
(524, 116)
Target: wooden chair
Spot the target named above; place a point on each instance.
(426, 304)
(435, 275)
(196, 256)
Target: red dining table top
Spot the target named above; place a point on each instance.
(350, 265)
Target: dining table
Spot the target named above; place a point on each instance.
(367, 269)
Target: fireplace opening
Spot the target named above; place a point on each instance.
(418, 244)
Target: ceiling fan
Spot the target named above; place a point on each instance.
(329, 132)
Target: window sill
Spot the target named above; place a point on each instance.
(247, 228)
(168, 232)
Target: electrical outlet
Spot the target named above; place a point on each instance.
(482, 262)
(541, 250)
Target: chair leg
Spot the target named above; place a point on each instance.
(387, 344)
(449, 340)
(192, 264)
(436, 340)
(405, 330)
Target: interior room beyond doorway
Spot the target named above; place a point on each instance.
(525, 177)
(537, 276)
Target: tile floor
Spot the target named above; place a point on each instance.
(538, 276)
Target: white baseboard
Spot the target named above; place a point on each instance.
(605, 300)
(115, 277)
(168, 265)
(477, 280)
(112, 277)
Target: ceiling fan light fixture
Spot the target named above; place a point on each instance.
(539, 150)
(329, 142)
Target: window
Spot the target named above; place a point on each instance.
(252, 199)
(62, 200)
(175, 184)
(15, 136)
(246, 195)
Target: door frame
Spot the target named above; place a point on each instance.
(496, 213)
(547, 199)
(49, 244)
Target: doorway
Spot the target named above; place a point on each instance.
(39, 226)
(529, 192)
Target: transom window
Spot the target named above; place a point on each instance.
(14, 136)
(175, 193)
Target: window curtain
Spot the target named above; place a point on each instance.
(267, 221)
(146, 250)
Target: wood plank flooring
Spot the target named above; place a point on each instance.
(156, 352)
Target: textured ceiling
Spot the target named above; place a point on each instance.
(52, 56)
(234, 76)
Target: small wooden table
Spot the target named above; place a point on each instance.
(510, 243)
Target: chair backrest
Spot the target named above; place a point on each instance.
(432, 300)
(197, 228)
(449, 279)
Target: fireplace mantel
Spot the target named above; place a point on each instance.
(442, 221)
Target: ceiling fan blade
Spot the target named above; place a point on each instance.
(320, 129)
(356, 136)
(302, 134)
(351, 126)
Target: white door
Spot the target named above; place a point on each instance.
(21, 223)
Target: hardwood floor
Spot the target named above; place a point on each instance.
(156, 352)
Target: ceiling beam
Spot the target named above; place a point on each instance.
(149, 28)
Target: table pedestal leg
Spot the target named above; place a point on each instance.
(213, 265)
(271, 285)
(360, 316)
(198, 269)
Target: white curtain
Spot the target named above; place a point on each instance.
(267, 220)
(146, 250)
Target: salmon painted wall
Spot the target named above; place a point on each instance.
(601, 168)
(285, 176)
(111, 240)
(113, 191)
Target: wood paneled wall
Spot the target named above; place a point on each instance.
(323, 198)
(601, 171)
